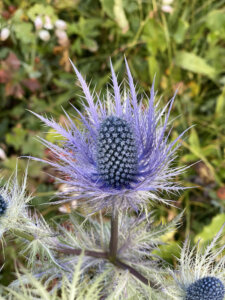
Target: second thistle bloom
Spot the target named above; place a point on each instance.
(121, 156)
(200, 273)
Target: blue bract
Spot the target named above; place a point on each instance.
(121, 156)
(207, 288)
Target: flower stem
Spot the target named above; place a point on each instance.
(68, 250)
(113, 245)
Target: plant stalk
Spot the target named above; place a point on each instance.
(113, 245)
(95, 254)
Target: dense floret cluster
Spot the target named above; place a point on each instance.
(3, 206)
(207, 288)
(117, 153)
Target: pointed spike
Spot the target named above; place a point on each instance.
(87, 93)
(116, 91)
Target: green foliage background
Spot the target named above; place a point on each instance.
(184, 48)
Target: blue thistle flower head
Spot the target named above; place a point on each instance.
(121, 156)
(3, 206)
(207, 288)
(200, 272)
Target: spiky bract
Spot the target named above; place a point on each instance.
(121, 156)
(137, 240)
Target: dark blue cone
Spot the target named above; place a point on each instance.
(117, 152)
(207, 288)
(3, 206)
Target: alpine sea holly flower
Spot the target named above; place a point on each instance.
(121, 157)
(13, 205)
(200, 274)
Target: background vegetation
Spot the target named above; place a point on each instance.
(181, 41)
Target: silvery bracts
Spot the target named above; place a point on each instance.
(107, 256)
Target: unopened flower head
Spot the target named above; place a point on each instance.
(13, 205)
(121, 156)
(200, 274)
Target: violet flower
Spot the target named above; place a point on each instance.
(121, 157)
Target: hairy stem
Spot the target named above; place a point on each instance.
(113, 245)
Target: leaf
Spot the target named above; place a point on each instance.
(14, 89)
(215, 21)
(209, 231)
(32, 84)
(194, 140)
(12, 62)
(191, 62)
(154, 36)
(32, 147)
(38, 9)
(220, 104)
(154, 69)
(120, 16)
(182, 28)
(107, 6)
(4, 76)
(23, 32)
(168, 251)
(16, 138)
(221, 193)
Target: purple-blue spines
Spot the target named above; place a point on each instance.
(116, 153)
(207, 288)
(3, 206)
